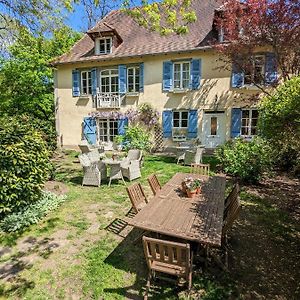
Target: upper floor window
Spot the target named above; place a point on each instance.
(104, 45)
(180, 119)
(133, 79)
(249, 122)
(181, 75)
(86, 82)
(256, 72)
(109, 81)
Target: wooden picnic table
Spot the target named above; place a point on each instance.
(198, 219)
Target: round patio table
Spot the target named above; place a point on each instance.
(115, 172)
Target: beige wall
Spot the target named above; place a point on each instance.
(215, 93)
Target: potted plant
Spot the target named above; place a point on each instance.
(191, 187)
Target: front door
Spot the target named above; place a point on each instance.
(213, 129)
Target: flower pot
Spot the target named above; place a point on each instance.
(191, 194)
(198, 190)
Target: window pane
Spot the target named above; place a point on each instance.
(176, 115)
(245, 114)
(244, 131)
(254, 113)
(175, 123)
(130, 71)
(213, 125)
(184, 115)
(102, 46)
(186, 67)
(105, 73)
(108, 45)
(184, 123)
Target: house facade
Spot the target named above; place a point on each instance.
(118, 65)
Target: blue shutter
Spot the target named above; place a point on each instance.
(193, 124)
(90, 130)
(76, 83)
(271, 69)
(94, 81)
(122, 124)
(195, 74)
(141, 77)
(167, 119)
(122, 79)
(236, 122)
(237, 77)
(167, 76)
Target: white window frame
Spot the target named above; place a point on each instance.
(88, 80)
(180, 119)
(253, 70)
(110, 77)
(249, 127)
(110, 137)
(181, 75)
(135, 70)
(97, 48)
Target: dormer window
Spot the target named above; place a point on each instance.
(104, 45)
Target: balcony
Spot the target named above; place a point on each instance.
(107, 100)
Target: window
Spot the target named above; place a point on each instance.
(256, 72)
(110, 81)
(108, 129)
(133, 79)
(180, 119)
(249, 122)
(86, 82)
(104, 45)
(213, 125)
(181, 75)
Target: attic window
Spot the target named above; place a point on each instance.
(103, 45)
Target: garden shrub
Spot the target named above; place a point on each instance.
(279, 122)
(24, 164)
(31, 214)
(247, 160)
(135, 137)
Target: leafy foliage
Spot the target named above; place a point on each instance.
(252, 24)
(135, 137)
(165, 17)
(31, 214)
(26, 83)
(24, 164)
(280, 123)
(247, 160)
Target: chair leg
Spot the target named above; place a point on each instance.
(147, 286)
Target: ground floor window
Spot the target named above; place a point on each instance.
(108, 129)
(180, 124)
(249, 122)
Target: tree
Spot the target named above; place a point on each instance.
(251, 25)
(280, 123)
(167, 16)
(26, 83)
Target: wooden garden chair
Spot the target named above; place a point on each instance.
(154, 184)
(168, 257)
(137, 196)
(201, 169)
(231, 199)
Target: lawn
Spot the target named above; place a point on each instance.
(81, 251)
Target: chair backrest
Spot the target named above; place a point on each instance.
(84, 160)
(231, 198)
(94, 156)
(134, 154)
(189, 157)
(167, 252)
(231, 215)
(137, 196)
(201, 169)
(198, 155)
(154, 184)
(84, 149)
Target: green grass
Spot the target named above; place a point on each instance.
(78, 256)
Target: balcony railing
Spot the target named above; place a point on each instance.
(107, 100)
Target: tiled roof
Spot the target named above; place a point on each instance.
(138, 41)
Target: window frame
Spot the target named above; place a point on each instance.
(110, 137)
(136, 70)
(249, 126)
(180, 119)
(253, 71)
(181, 75)
(110, 77)
(98, 41)
(88, 82)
